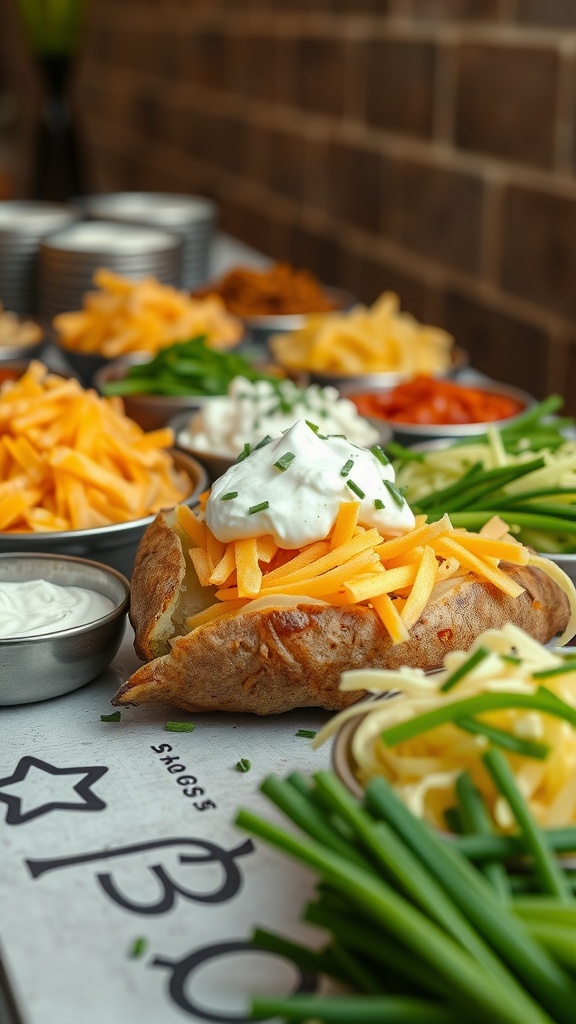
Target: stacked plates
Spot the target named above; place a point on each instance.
(69, 258)
(192, 217)
(23, 224)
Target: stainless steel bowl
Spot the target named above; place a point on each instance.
(29, 350)
(215, 462)
(384, 381)
(150, 411)
(38, 667)
(84, 365)
(262, 328)
(114, 545)
(414, 433)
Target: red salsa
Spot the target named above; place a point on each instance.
(426, 400)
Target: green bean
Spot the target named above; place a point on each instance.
(359, 1009)
(545, 864)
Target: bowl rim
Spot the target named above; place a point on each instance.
(382, 379)
(449, 431)
(293, 321)
(110, 370)
(111, 528)
(118, 611)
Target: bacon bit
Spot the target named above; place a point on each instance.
(445, 634)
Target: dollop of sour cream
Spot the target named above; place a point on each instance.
(292, 487)
(35, 607)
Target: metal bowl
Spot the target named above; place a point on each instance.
(216, 463)
(414, 433)
(30, 350)
(261, 328)
(38, 667)
(387, 380)
(114, 545)
(150, 411)
(84, 365)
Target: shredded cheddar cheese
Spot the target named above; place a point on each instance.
(395, 576)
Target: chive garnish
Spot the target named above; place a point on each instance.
(354, 487)
(179, 727)
(243, 765)
(313, 426)
(346, 467)
(229, 496)
(244, 453)
(114, 717)
(378, 503)
(506, 740)
(265, 440)
(464, 669)
(138, 946)
(284, 461)
(308, 733)
(259, 508)
(394, 493)
(546, 673)
(511, 659)
(380, 455)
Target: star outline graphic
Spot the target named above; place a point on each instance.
(83, 788)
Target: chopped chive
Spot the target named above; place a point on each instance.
(561, 670)
(284, 461)
(244, 453)
(179, 727)
(258, 508)
(380, 455)
(378, 503)
(229, 496)
(511, 659)
(313, 426)
(354, 487)
(506, 740)
(464, 669)
(265, 440)
(308, 733)
(394, 493)
(114, 717)
(243, 765)
(346, 467)
(337, 435)
(138, 946)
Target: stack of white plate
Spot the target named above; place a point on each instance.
(192, 217)
(23, 223)
(69, 258)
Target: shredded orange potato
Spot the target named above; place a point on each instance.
(70, 460)
(143, 316)
(395, 577)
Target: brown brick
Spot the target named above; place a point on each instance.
(560, 13)
(473, 10)
(287, 164)
(314, 252)
(506, 101)
(441, 213)
(204, 59)
(258, 66)
(397, 84)
(539, 248)
(321, 75)
(568, 390)
(359, 6)
(498, 345)
(353, 185)
(368, 278)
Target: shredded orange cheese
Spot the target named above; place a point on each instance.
(395, 577)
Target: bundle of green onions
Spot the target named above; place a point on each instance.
(186, 368)
(525, 473)
(424, 927)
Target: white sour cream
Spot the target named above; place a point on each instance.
(35, 607)
(303, 500)
(250, 410)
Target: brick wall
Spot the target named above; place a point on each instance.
(428, 146)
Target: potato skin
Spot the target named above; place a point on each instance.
(282, 658)
(159, 571)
